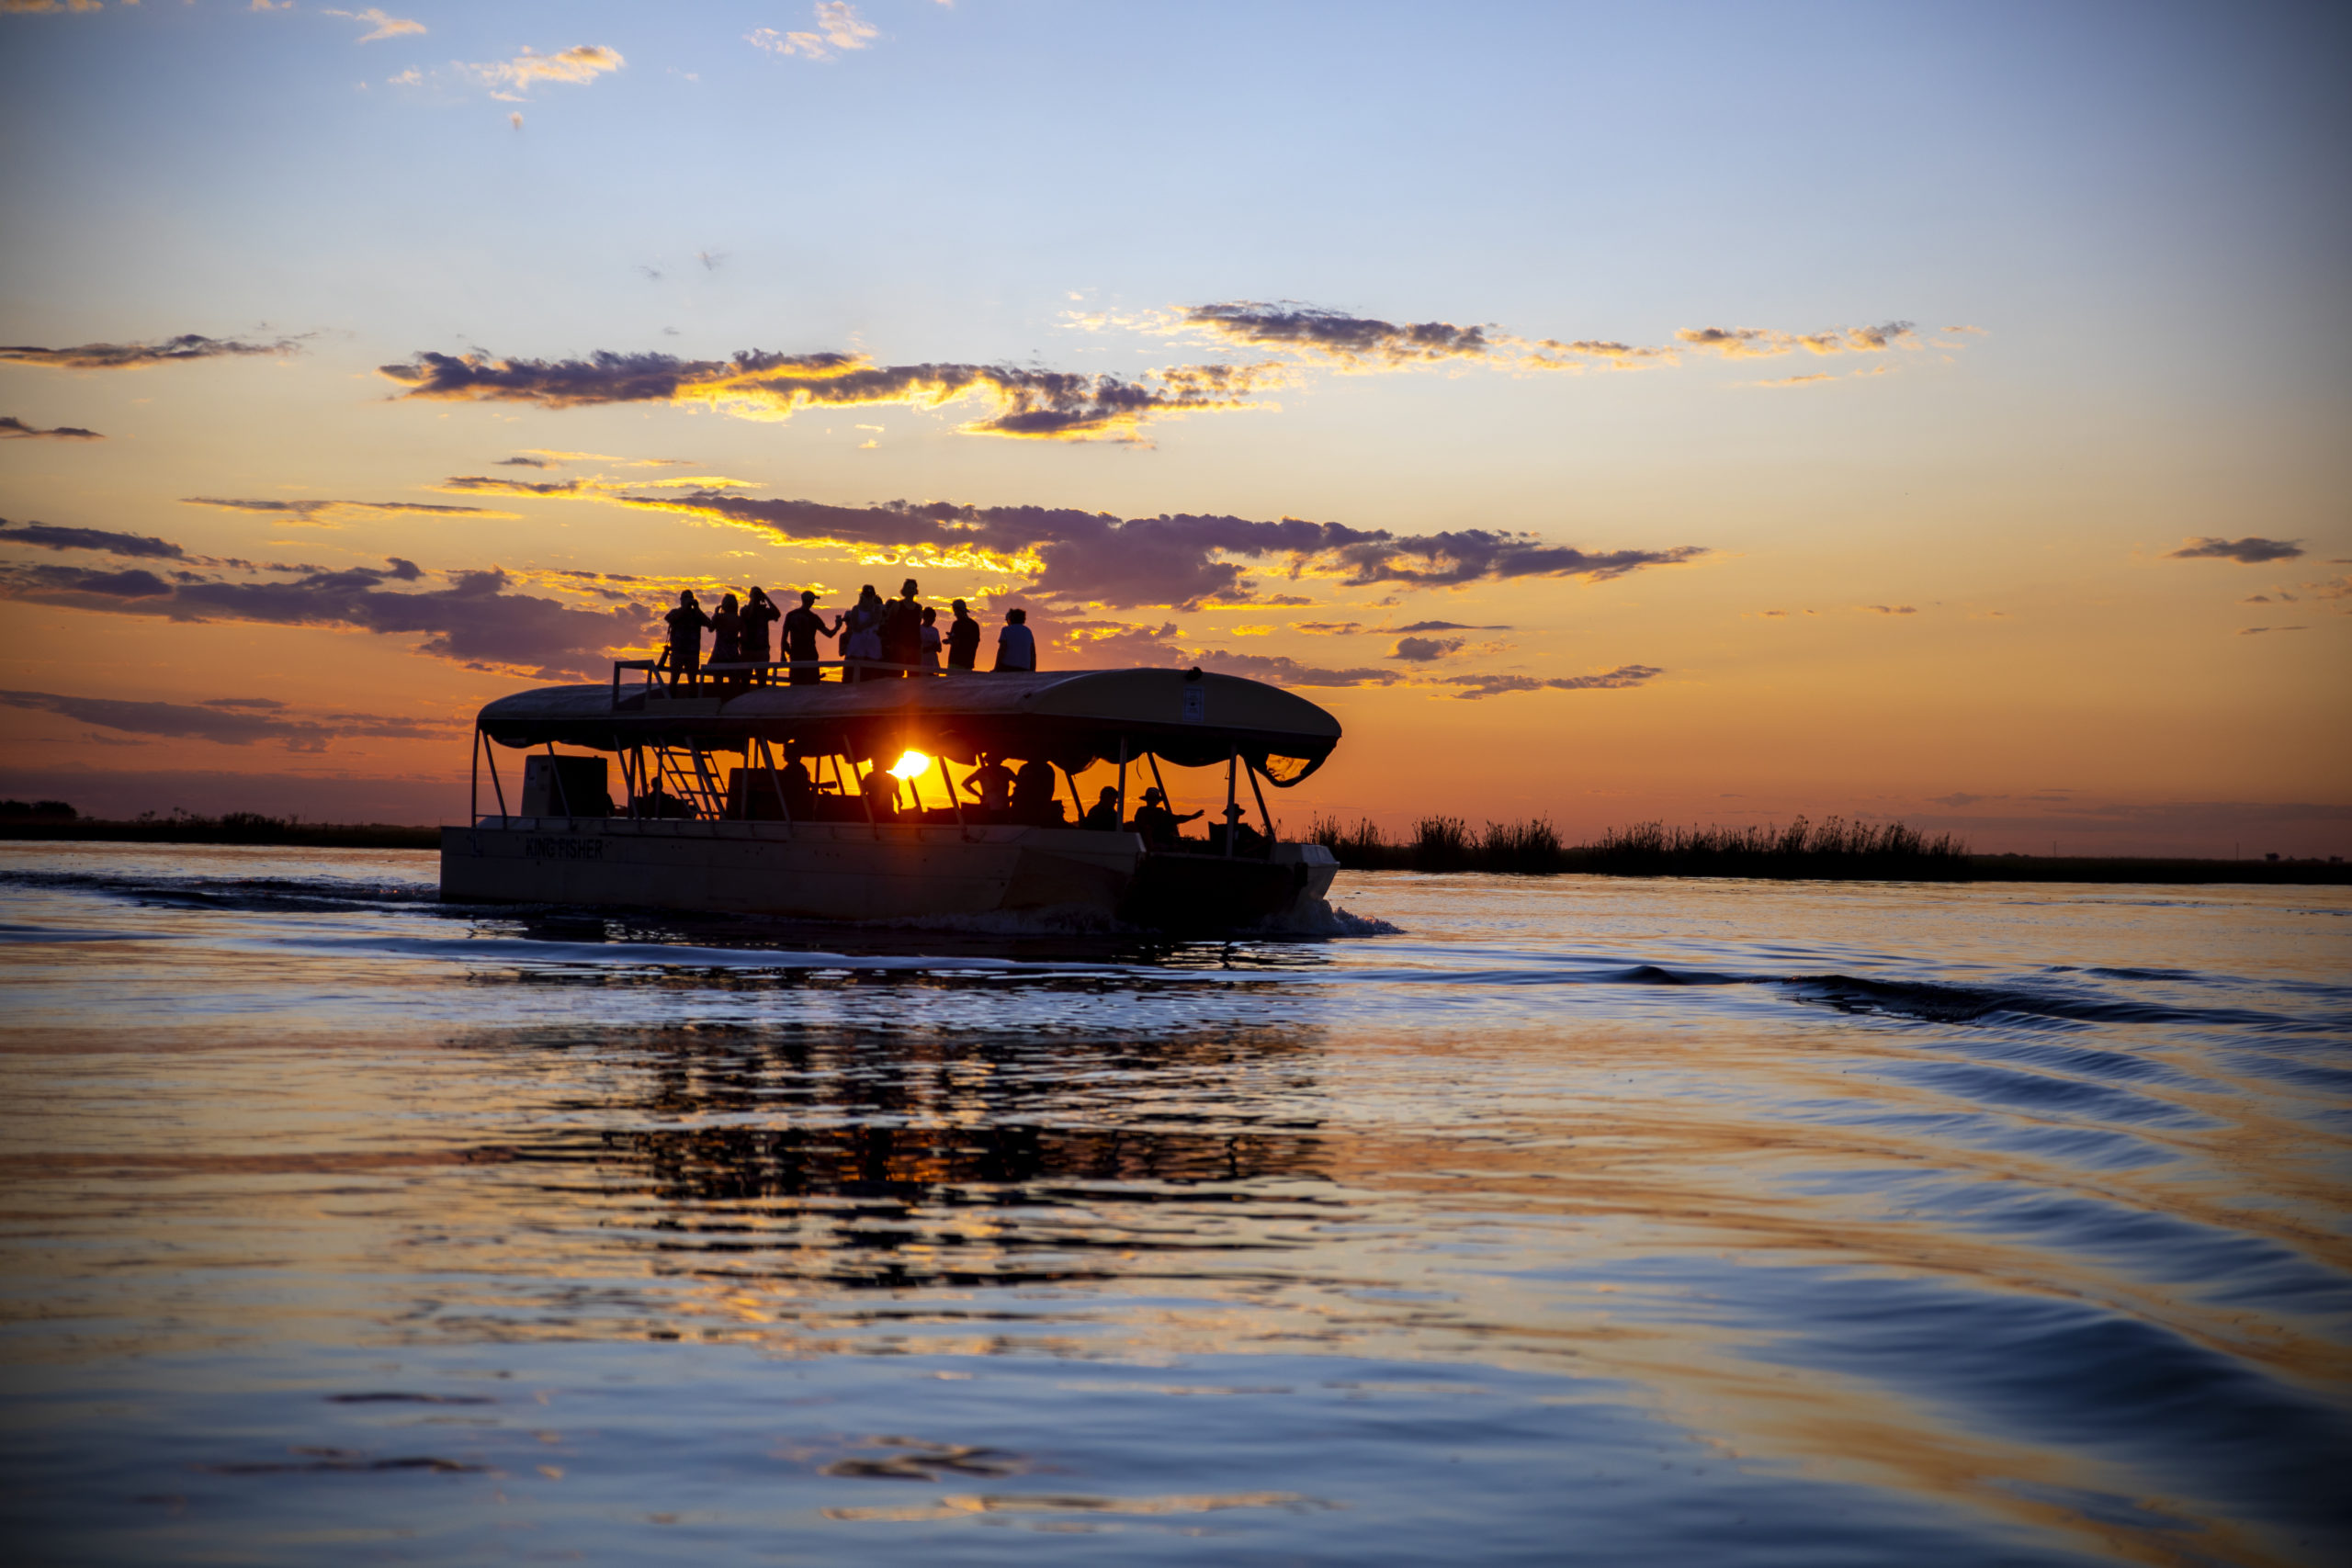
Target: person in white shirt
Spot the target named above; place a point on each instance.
(1016, 646)
(930, 637)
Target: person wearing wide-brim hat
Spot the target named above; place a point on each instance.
(1157, 823)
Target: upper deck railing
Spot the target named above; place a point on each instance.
(733, 678)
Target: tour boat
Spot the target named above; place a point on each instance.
(683, 835)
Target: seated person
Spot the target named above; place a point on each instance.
(882, 795)
(1104, 814)
(1033, 794)
(1157, 823)
(799, 789)
(1246, 839)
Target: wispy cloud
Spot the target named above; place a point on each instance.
(1623, 676)
(34, 8)
(2250, 551)
(184, 349)
(55, 538)
(1110, 643)
(1891, 609)
(1336, 335)
(383, 26)
(1035, 404)
(512, 79)
(313, 513)
(1370, 342)
(14, 429)
(228, 722)
(839, 27)
(475, 621)
(1425, 649)
(1758, 343)
(1181, 560)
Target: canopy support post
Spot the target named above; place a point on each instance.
(865, 799)
(767, 756)
(1263, 814)
(1232, 812)
(473, 781)
(493, 781)
(1075, 804)
(1123, 781)
(955, 798)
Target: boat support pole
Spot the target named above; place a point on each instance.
(1123, 781)
(954, 801)
(767, 754)
(1263, 814)
(493, 780)
(473, 782)
(1075, 805)
(1232, 814)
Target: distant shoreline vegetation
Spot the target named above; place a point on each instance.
(1831, 851)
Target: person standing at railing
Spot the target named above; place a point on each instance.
(902, 630)
(759, 614)
(727, 642)
(686, 623)
(963, 639)
(864, 642)
(802, 628)
(1016, 646)
(930, 659)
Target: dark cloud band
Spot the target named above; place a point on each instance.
(181, 350)
(14, 429)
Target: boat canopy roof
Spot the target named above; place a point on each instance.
(1072, 719)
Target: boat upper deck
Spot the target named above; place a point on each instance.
(1072, 718)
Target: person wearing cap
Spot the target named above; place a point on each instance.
(1104, 814)
(1156, 822)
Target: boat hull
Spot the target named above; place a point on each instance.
(858, 871)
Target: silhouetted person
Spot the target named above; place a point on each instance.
(1246, 839)
(686, 623)
(727, 633)
(963, 639)
(759, 614)
(881, 795)
(1103, 814)
(1033, 794)
(802, 628)
(799, 789)
(1158, 824)
(1016, 646)
(902, 629)
(928, 650)
(990, 781)
(864, 640)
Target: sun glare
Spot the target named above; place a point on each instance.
(912, 765)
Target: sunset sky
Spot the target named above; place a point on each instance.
(1706, 412)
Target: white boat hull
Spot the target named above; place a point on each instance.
(834, 871)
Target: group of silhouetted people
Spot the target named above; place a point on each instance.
(999, 794)
(879, 639)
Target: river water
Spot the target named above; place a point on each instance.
(1554, 1221)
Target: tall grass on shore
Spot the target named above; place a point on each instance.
(1832, 848)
